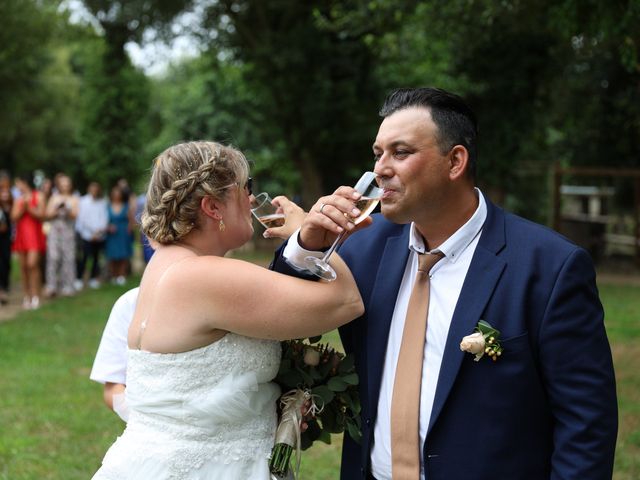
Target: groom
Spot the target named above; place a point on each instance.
(546, 408)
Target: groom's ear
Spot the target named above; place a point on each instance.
(458, 162)
(211, 207)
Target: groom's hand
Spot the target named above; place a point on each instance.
(330, 216)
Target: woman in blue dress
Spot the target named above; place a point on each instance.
(119, 248)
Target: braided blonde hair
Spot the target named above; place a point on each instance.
(182, 175)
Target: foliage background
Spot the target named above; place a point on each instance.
(296, 85)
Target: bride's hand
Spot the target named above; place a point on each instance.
(293, 218)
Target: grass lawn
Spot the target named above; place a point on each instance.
(53, 424)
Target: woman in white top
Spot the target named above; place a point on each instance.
(204, 340)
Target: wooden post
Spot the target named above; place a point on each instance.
(636, 212)
(557, 182)
(631, 173)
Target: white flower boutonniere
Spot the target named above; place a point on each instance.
(485, 339)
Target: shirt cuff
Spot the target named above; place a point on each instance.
(294, 254)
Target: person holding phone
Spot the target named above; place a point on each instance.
(62, 211)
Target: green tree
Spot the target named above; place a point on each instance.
(115, 130)
(550, 81)
(310, 67)
(25, 83)
(596, 114)
(208, 98)
(117, 116)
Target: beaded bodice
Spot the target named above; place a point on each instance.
(213, 404)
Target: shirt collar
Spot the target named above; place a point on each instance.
(453, 246)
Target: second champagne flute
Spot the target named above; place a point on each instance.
(371, 194)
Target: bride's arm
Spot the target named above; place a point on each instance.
(243, 298)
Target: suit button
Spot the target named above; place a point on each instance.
(368, 422)
(362, 472)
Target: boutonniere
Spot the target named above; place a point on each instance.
(484, 339)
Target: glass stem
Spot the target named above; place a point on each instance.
(325, 259)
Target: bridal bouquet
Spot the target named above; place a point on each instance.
(317, 378)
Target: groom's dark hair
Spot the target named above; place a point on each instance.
(456, 122)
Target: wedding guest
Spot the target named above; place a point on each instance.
(62, 211)
(91, 225)
(131, 200)
(30, 244)
(119, 248)
(147, 249)
(110, 363)
(15, 192)
(46, 188)
(204, 340)
(535, 399)
(6, 201)
(129, 197)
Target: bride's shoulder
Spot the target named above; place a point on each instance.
(187, 272)
(215, 266)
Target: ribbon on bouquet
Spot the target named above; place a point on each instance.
(288, 432)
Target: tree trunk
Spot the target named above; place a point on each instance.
(311, 184)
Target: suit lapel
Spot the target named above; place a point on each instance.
(481, 279)
(381, 305)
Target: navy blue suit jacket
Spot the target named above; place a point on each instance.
(547, 408)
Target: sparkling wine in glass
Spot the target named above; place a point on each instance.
(272, 221)
(371, 194)
(265, 212)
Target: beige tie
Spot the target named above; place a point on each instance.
(405, 403)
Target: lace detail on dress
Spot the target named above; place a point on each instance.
(213, 406)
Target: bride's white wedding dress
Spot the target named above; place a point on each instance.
(209, 413)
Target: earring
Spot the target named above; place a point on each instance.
(222, 226)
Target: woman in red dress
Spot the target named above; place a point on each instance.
(30, 243)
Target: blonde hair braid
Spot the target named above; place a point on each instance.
(184, 174)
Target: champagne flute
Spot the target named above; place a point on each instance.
(266, 213)
(371, 194)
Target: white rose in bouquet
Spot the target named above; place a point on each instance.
(311, 357)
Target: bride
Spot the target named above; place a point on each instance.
(204, 340)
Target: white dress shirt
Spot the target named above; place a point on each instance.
(93, 217)
(447, 277)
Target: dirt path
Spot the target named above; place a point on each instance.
(7, 312)
(619, 279)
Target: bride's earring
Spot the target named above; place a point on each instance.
(222, 226)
